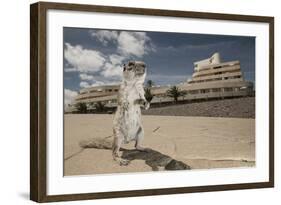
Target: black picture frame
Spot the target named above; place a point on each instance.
(38, 100)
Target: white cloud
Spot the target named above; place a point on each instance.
(97, 83)
(104, 36)
(134, 43)
(97, 68)
(127, 43)
(69, 96)
(84, 60)
(70, 69)
(84, 84)
(116, 59)
(85, 76)
(111, 70)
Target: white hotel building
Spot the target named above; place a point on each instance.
(211, 79)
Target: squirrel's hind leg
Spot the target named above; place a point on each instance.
(117, 142)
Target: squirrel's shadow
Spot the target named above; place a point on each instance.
(156, 160)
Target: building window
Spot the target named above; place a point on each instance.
(216, 90)
(235, 77)
(228, 89)
(217, 73)
(192, 92)
(218, 78)
(205, 91)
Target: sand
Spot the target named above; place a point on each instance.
(199, 142)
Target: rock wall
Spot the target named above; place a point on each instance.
(236, 107)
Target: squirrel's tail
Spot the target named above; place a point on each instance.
(98, 143)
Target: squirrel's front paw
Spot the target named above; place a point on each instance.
(143, 103)
(146, 105)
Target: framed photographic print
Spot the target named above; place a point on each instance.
(134, 102)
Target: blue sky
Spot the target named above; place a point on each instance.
(95, 57)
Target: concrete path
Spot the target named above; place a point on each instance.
(198, 142)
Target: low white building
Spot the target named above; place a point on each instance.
(211, 79)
